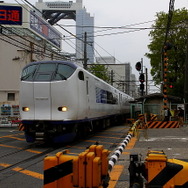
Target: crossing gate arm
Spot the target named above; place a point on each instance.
(114, 158)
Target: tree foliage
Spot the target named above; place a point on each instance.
(176, 56)
(100, 71)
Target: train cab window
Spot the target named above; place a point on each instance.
(43, 76)
(63, 72)
(28, 73)
(49, 67)
(81, 75)
(45, 72)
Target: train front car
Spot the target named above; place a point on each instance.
(60, 100)
(48, 99)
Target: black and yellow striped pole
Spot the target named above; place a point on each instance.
(167, 47)
(165, 97)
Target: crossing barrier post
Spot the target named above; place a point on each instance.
(49, 163)
(75, 172)
(82, 169)
(97, 172)
(88, 169)
(58, 170)
(158, 171)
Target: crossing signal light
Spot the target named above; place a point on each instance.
(142, 86)
(171, 86)
(138, 66)
(142, 77)
(168, 46)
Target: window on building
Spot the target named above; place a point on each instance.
(11, 96)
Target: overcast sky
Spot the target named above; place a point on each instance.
(126, 46)
(131, 46)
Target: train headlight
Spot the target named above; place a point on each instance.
(63, 109)
(25, 109)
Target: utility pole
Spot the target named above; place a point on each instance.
(142, 73)
(112, 77)
(167, 46)
(31, 51)
(85, 51)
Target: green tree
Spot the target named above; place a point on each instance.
(176, 56)
(100, 71)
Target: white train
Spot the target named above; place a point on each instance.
(60, 99)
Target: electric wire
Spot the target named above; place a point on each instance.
(27, 47)
(119, 27)
(38, 45)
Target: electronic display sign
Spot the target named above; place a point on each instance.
(10, 15)
(45, 29)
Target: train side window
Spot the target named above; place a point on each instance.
(81, 75)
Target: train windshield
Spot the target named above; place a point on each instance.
(47, 72)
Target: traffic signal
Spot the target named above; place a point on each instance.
(138, 66)
(142, 77)
(142, 87)
(171, 86)
(142, 80)
(171, 82)
(168, 46)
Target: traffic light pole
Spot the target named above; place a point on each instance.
(146, 75)
(142, 89)
(139, 67)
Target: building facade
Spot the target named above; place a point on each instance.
(24, 38)
(121, 75)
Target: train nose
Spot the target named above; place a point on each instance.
(42, 100)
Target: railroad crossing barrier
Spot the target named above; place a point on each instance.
(21, 127)
(163, 124)
(89, 169)
(153, 123)
(159, 124)
(114, 158)
(132, 132)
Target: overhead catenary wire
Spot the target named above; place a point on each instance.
(25, 46)
(103, 27)
(83, 26)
